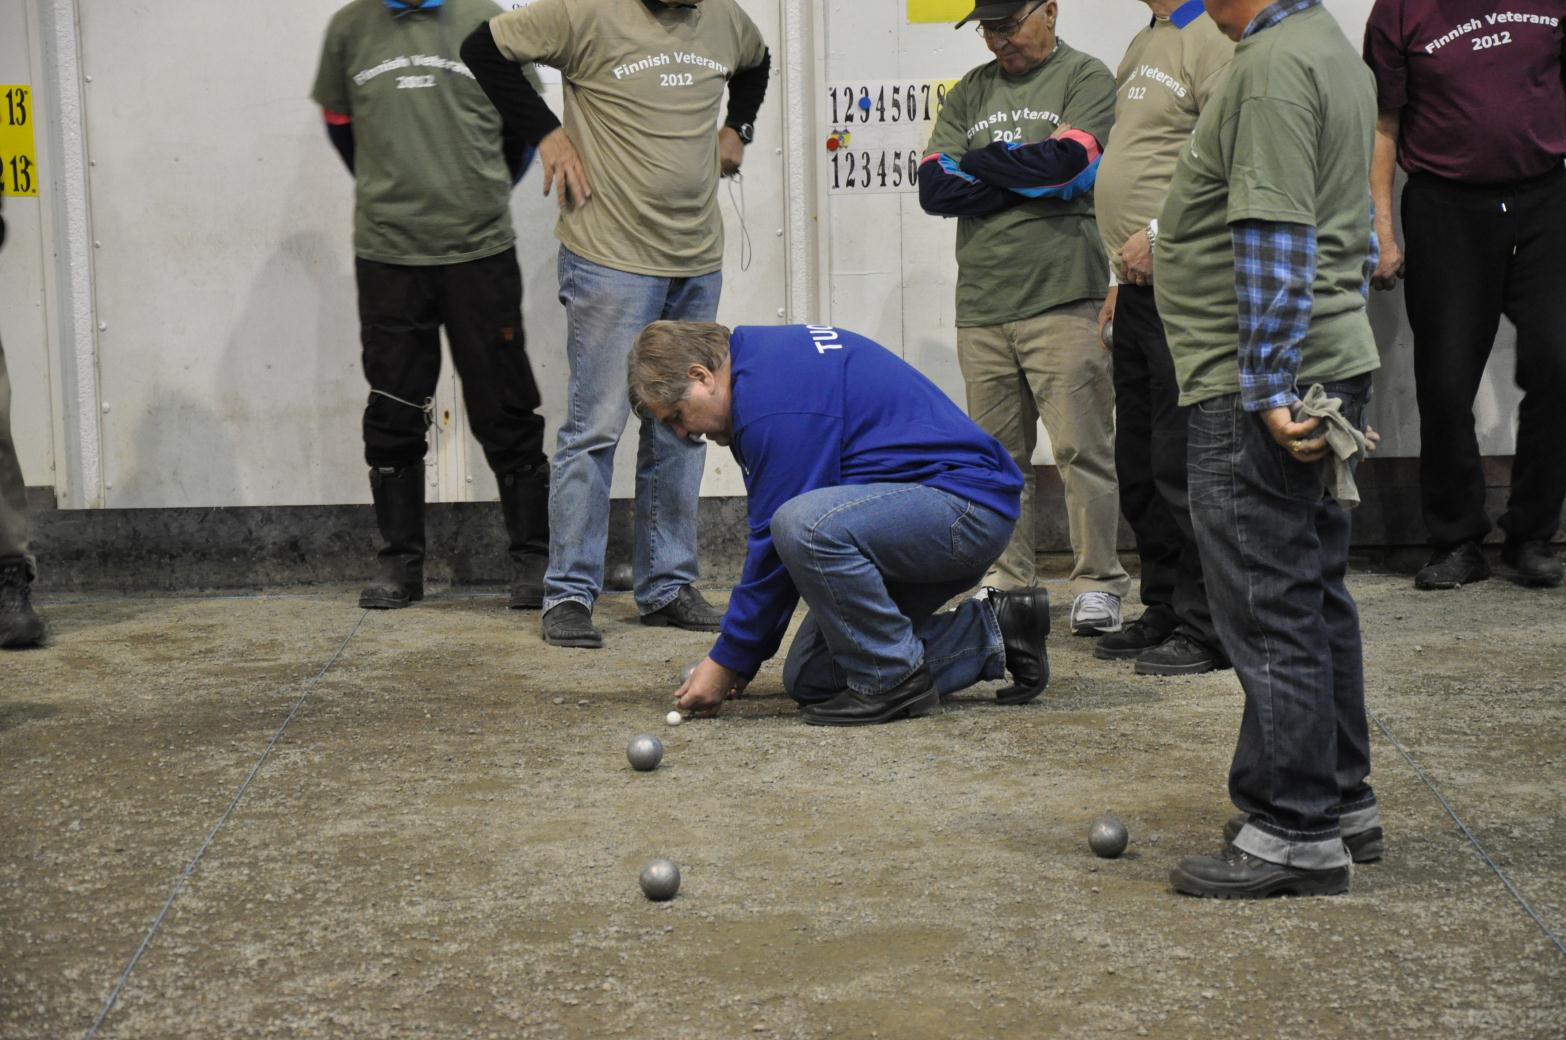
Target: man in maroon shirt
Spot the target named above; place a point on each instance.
(1473, 107)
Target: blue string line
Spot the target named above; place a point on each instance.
(1545, 928)
(190, 868)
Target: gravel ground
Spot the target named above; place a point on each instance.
(445, 840)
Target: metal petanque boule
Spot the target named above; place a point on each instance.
(1107, 837)
(660, 880)
(689, 671)
(644, 752)
(620, 577)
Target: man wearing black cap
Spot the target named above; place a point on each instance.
(1013, 156)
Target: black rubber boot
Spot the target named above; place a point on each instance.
(524, 498)
(399, 512)
(20, 625)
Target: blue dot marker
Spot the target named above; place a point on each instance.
(864, 103)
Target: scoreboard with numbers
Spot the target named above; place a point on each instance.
(878, 133)
(18, 152)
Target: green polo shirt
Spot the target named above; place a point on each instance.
(1043, 253)
(1287, 138)
(430, 181)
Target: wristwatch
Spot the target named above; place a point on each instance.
(1152, 232)
(746, 132)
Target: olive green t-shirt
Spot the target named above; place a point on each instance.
(1287, 138)
(642, 96)
(1042, 253)
(1167, 77)
(430, 180)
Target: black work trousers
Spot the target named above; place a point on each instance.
(1474, 254)
(1150, 462)
(401, 311)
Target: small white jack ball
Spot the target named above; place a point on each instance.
(674, 718)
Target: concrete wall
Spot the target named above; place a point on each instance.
(178, 306)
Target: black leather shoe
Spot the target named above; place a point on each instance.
(1177, 655)
(1535, 564)
(1364, 847)
(390, 595)
(912, 697)
(687, 610)
(527, 583)
(20, 625)
(1023, 616)
(571, 624)
(1238, 875)
(1146, 632)
(1452, 568)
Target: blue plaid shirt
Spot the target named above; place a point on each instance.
(1274, 267)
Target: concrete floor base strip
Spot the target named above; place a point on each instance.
(195, 861)
(1483, 854)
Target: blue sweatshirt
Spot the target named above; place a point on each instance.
(815, 406)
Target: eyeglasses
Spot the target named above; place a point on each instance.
(1006, 30)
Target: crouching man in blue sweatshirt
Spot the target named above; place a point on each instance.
(872, 497)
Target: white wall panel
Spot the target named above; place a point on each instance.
(227, 359)
(229, 342)
(24, 326)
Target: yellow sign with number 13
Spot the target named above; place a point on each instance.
(18, 153)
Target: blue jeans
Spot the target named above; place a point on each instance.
(873, 562)
(1274, 548)
(605, 309)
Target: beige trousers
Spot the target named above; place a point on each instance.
(1052, 367)
(13, 493)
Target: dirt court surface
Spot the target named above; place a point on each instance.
(445, 840)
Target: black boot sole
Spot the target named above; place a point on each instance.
(1329, 883)
(1015, 694)
(1121, 655)
(576, 642)
(1194, 668)
(662, 621)
(921, 705)
(1446, 585)
(527, 600)
(24, 637)
(380, 601)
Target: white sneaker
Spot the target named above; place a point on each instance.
(1095, 614)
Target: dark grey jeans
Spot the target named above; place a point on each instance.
(1274, 545)
(13, 493)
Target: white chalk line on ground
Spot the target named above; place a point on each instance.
(1483, 854)
(190, 868)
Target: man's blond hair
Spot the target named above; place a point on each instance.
(658, 368)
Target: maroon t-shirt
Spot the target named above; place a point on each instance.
(1482, 86)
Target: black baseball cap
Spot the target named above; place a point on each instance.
(989, 10)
